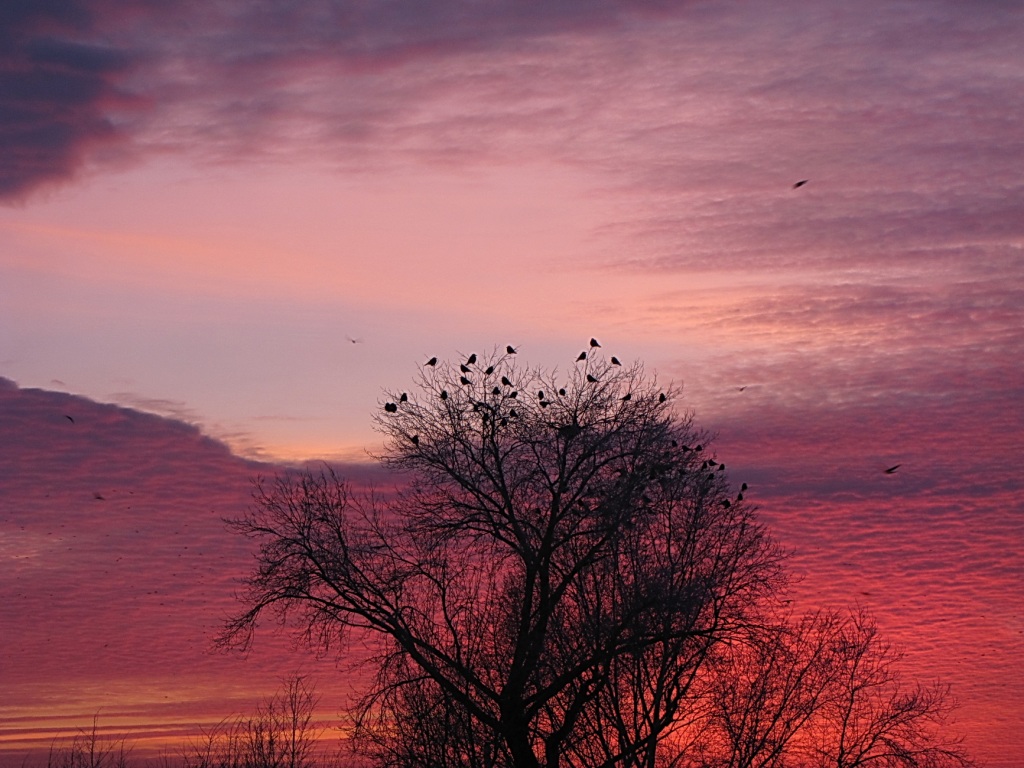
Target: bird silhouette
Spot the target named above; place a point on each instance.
(891, 470)
(740, 389)
(472, 359)
(404, 398)
(513, 394)
(593, 343)
(465, 381)
(354, 340)
(627, 397)
(489, 371)
(540, 395)
(98, 497)
(431, 361)
(583, 356)
(444, 394)
(512, 412)
(496, 391)
(726, 503)
(415, 439)
(544, 403)
(743, 487)
(615, 360)
(505, 381)
(390, 407)
(662, 398)
(463, 367)
(592, 378)
(510, 350)
(800, 183)
(69, 418)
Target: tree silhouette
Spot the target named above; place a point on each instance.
(546, 587)
(565, 580)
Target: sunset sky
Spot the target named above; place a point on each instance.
(226, 227)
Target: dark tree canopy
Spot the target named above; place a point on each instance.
(559, 581)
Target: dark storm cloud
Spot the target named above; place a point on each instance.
(58, 91)
(71, 73)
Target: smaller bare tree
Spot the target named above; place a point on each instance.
(871, 718)
(282, 733)
(822, 692)
(89, 749)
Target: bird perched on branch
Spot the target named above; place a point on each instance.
(432, 361)
(593, 343)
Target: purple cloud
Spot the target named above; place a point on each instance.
(117, 570)
(58, 92)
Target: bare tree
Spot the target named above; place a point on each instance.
(821, 692)
(562, 561)
(89, 749)
(281, 733)
(872, 718)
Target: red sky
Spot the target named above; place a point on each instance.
(205, 204)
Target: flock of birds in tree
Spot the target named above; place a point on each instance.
(464, 369)
(567, 430)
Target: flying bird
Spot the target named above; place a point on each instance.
(431, 361)
(800, 183)
(740, 389)
(354, 340)
(390, 407)
(615, 360)
(892, 470)
(583, 356)
(510, 350)
(593, 343)
(69, 418)
(98, 496)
